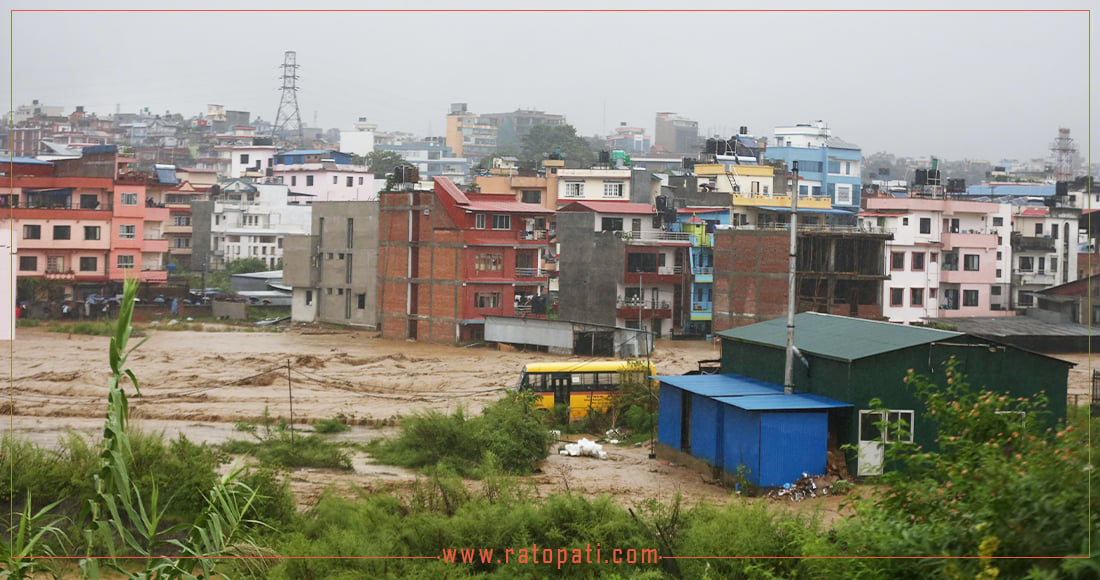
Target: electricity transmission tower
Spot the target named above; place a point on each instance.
(288, 121)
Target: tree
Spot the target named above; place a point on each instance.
(245, 266)
(383, 162)
(543, 140)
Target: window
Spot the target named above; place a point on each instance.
(89, 201)
(995, 290)
(931, 293)
(897, 297)
(971, 262)
(479, 221)
(918, 261)
(351, 181)
(844, 194)
(244, 158)
(28, 263)
(293, 182)
(62, 232)
(502, 222)
(531, 196)
(1000, 256)
(916, 296)
(487, 300)
(899, 426)
(129, 199)
(488, 262)
(904, 221)
(646, 263)
(88, 264)
(351, 232)
(933, 257)
(1042, 264)
(309, 180)
(925, 225)
(309, 297)
(32, 232)
(574, 189)
(361, 301)
(834, 167)
(609, 224)
(347, 270)
(998, 221)
(1054, 231)
(970, 297)
(1027, 263)
(335, 179)
(897, 260)
(950, 261)
(127, 232)
(613, 189)
(360, 180)
(1026, 299)
(55, 264)
(1039, 229)
(126, 262)
(1053, 264)
(999, 273)
(754, 187)
(950, 299)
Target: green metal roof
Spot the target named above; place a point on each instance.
(838, 337)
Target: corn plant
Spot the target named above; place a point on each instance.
(127, 524)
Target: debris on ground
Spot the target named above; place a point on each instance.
(585, 448)
(810, 486)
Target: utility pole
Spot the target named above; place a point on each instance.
(641, 305)
(792, 298)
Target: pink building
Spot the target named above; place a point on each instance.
(948, 258)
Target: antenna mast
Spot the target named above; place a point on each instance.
(288, 120)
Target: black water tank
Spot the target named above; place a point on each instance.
(921, 177)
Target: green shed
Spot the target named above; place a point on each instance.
(854, 360)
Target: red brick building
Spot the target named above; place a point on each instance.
(448, 258)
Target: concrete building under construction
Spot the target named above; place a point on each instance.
(839, 272)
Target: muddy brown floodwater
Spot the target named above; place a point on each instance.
(198, 383)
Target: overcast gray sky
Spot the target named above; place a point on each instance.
(986, 85)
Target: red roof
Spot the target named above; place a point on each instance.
(694, 220)
(1035, 211)
(610, 207)
(503, 207)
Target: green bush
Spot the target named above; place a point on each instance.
(334, 425)
(301, 450)
(508, 430)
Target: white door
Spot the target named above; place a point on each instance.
(870, 452)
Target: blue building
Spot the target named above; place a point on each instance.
(827, 166)
(739, 424)
(303, 156)
(700, 222)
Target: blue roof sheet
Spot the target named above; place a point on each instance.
(167, 176)
(22, 160)
(721, 385)
(796, 402)
(306, 152)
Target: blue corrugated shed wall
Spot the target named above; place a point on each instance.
(791, 443)
(740, 435)
(704, 428)
(668, 416)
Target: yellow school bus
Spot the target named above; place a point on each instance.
(581, 385)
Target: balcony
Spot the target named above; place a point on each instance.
(1035, 278)
(632, 309)
(655, 236)
(177, 229)
(532, 273)
(968, 239)
(533, 235)
(1034, 244)
(154, 244)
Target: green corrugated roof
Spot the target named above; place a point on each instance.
(838, 337)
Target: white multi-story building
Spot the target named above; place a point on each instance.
(1045, 245)
(593, 185)
(359, 141)
(948, 258)
(325, 176)
(250, 220)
